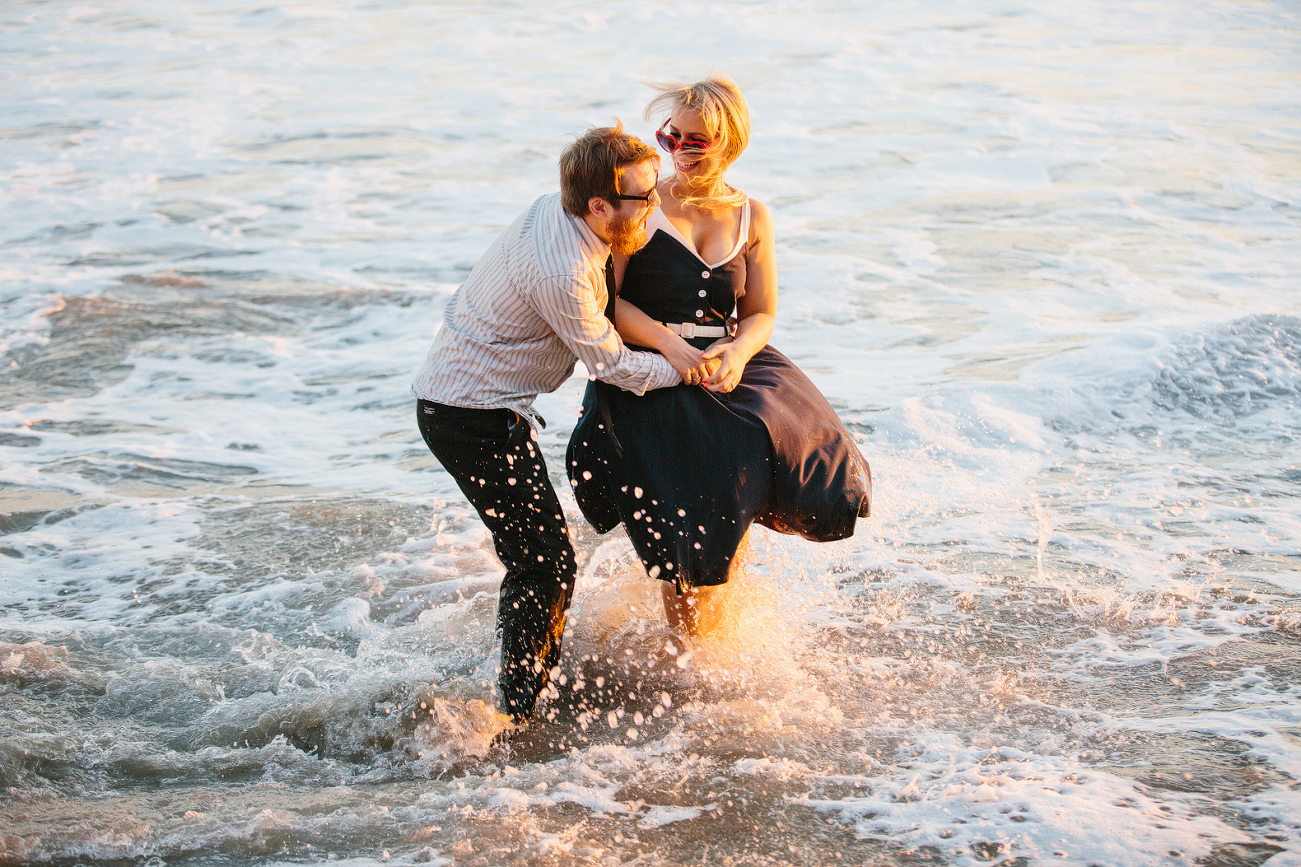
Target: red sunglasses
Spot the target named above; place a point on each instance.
(673, 141)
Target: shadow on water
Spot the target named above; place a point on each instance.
(91, 338)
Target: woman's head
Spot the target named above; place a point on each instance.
(712, 113)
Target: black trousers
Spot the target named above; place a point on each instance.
(496, 461)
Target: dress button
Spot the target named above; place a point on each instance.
(703, 293)
(700, 314)
(704, 274)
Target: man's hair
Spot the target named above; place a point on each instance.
(593, 165)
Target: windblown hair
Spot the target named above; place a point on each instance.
(727, 120)
(593, 165)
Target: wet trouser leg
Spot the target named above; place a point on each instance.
(497, 464)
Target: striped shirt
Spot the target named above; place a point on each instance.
(532, 305)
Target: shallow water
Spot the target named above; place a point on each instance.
(1041, 260)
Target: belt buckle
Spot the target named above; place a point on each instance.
(688, 330)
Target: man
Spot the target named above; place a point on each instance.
(532, 305)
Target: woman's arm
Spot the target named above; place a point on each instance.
(637, 328)
(756, 310)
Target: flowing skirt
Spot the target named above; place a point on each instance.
(687, 470)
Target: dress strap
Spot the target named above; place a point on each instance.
(657, 221)
(742, 237)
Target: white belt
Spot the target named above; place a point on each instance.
(691, 329)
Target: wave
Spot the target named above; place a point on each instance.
(1235, 371)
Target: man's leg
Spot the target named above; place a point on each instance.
(499, 467)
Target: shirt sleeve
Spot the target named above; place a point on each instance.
(575, 310)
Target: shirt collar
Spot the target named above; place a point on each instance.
(594, 248)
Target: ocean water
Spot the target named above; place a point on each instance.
(1041, 257)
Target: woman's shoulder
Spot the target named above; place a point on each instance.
(760, 220)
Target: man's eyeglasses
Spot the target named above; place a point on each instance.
(646, 199)
(673, 141)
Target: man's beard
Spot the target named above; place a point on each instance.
(627, 236)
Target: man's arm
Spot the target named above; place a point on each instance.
(575, 311)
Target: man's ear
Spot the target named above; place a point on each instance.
(599, 207)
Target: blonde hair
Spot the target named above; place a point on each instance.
(726, 117)
(593, 165)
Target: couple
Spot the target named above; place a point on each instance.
(692, 428)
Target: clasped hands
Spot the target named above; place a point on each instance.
(717, 368)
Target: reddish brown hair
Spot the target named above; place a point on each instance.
(593, 165)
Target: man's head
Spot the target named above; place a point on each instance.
(607, 178)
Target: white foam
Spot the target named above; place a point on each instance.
(1041, 259)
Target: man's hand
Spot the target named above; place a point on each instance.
(688, 361)
(706, 369)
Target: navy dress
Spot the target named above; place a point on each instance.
(686, 470)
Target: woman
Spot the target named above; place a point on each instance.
(747, 437)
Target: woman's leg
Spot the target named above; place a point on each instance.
(696, 613)
(701, 611)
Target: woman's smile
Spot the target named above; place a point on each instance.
(686, 164)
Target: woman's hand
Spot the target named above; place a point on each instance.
(730, 359)
(639, 329)
(756, 308)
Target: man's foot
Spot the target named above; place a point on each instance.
(508, 728)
